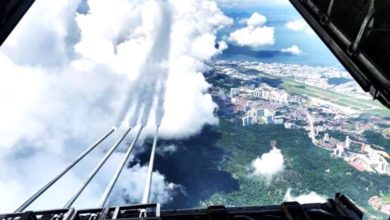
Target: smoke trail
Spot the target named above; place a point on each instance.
(124, 109)
(160, 103)
(165, 47)
(154, 72)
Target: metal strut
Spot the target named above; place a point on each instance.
(96, 169)
(114, 179)
(55, 179)
(146, 195)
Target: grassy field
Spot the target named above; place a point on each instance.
(366, 107)
(335, 98)
(386, 198)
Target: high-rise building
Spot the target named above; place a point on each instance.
(326, 137)
(347, 142)
(256, 113)
(283, 98)
(247, 121)
(383, 167)
(257, 93)
(278, 121)
(234, 92)
(265, 94)
(288, 125)
(269, 112)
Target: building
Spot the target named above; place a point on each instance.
(256, 113)
(268, 119)
(278, 121)
(347, 142)
(283, 98)
(265, 94)
(257, 93)
(288, 125)
(339, 150)
(268, 93)
(383, 167)
(374, 156)
(234, 92)
(359, 164)
(269, 112)
(326, 137)
(247, 121)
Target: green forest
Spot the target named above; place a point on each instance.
(305, 168)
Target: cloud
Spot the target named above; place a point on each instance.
(269, 164)
(294, 50)
(256, 20)
(131, 190)
(251, 3)
(66, 75)
(299, 25)
(255, 34)
(167, 149)
(312, 197)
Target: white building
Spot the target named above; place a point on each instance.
(256, 113)
(265, 94)
(269, 112)
(283, 98)
(247, 121)
(278, 121)
(326, 137)
(287, 125)
(383, 167)
(347, 142)
(268, 119)
(339, 150)
(234, 92)
(257, 93)
(268, 93)
(374, 156)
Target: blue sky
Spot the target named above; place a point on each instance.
(314, 52)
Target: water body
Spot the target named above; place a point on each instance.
(338, 80)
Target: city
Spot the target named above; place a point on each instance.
(259, 93)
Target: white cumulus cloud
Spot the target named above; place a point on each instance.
(294, 50)
(256, 20)
(311, 197)
(255, 34)
(251, 3)
(131, 190)
(268, 164)
(166, 149)
(299, 25)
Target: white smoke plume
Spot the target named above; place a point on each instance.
(312, 197)
(65, 75)
(269, 164)
(189, 45)
(153, 72)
